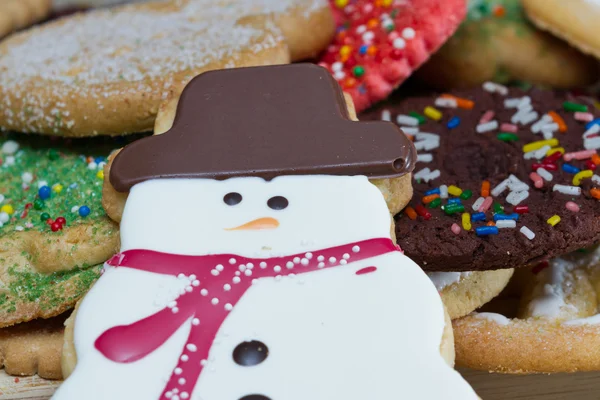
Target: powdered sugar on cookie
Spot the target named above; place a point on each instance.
(60, 75)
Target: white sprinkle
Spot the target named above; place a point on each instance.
(529, 118)
(289, 265)
(219, 268)
(541, 153)
(27, 177)
(515, 198)
(512, 102)
(488, 126)
(386, 115)
(478, 204)
(178, 371)
(339, 75)
(214, 272)
(195, 282)
(191, 347)
(232, 261)
(525, 102)
(421, 173)
(527, 232)
(355, 249)
(304, 261)
(309, 256)
(529, 155)
(172, 304)
(346, 256)
(332, 260)
(445, 102)
(429, 144)
(9, 160)
(544, 174)
(427, 136)
(4, 217)
(547, 135)
(553, 127)
(228, 307)
(506, 223)
(537, 127)
(19, 228)
(74, 209)
(569, 190)
(248, 272)
(321, 265)
(226, 287)
(407, 120)
(518, 186)
(204, 292)
(424, 157)
(184, 395)
(408, 33)
(409, 130)
(501, 187)
(431, 176)
(495, 88)
(263, 265)
(320, 258)
(195, 321)
(277, 268)
(296, 260)
(399, 43)
(184, 357)
(10, 147)
(181, 381)
(596, 179)
(443, 192)
(236, 279)
(592, 144)
(242, 267)
(214, 301)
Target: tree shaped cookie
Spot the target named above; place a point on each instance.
(106, 71)
(276, 253)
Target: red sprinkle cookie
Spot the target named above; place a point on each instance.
(380, 43)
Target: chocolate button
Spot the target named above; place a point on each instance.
(251, 353)
(255, 397)
(277, 203)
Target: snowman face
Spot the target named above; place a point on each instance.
(251, 216)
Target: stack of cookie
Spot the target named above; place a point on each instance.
(506, 205)
(102, 73)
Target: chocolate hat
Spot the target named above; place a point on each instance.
(265, 122)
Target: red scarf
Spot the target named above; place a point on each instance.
(217, 282)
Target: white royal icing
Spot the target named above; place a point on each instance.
(331, 334)
(493, 317)
(551, 302)
(442, 280)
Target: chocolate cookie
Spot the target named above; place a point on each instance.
(504, 177)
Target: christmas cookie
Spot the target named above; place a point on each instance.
(259, 271)
(19, 14)
(33, 348)
(53, 230)
(464, 292)
(551, 325)
(379, 43)
(504, 177)
(498, 43)
(396, 191)
(573, 21)
(105, 72)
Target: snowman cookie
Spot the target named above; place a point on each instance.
(396, 191)
(106, 71)
(263, 274)
(54, 233)
(497, 42)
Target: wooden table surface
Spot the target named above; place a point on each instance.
(580, 386)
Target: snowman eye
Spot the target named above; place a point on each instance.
(277, 203)
(233, 198)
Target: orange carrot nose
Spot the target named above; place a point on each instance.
(260, 223)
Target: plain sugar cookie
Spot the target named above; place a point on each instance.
(574, 21)
(105, 72)
(498, 43)
(464, 292)
(552, 324)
